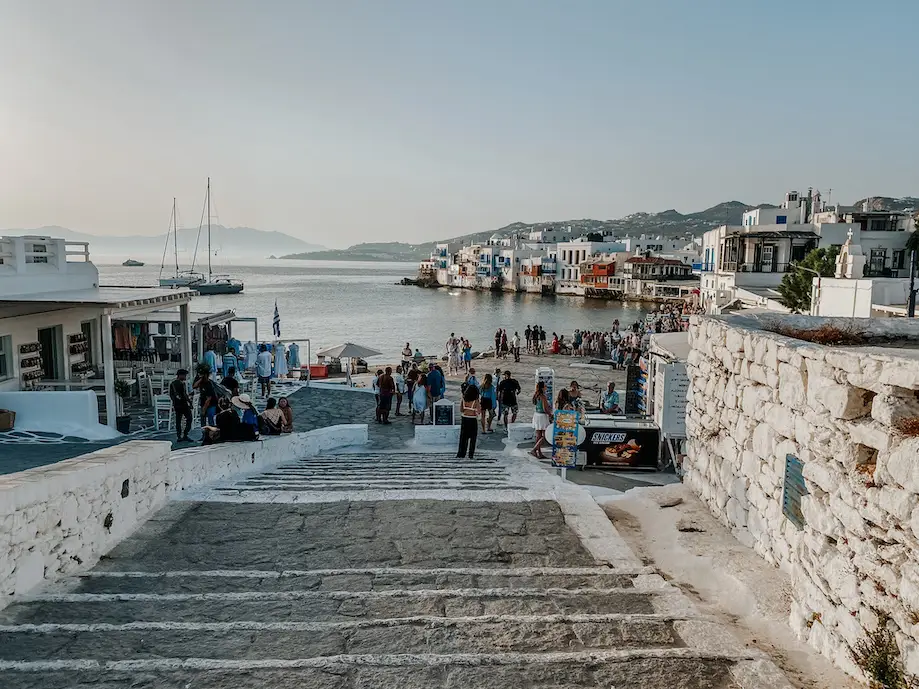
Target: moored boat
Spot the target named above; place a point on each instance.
(131, 263)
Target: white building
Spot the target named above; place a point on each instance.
(56, 321)
(537, 273)
(570, 257)
(744, 265)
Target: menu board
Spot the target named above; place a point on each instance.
(671, 384)
(565, 439)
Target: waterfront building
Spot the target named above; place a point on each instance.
(570, 257)
(743, 265)
(537, 273)
(56, 322)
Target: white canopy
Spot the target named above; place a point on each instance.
(348, 350)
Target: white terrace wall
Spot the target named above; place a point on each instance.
(756, 397)
(59, 519)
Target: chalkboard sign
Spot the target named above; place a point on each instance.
(443, 413)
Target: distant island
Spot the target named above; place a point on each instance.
(397, 252)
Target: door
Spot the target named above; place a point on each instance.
(51, 345)
(768, 258)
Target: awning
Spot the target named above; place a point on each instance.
(113, 297)
(174, 317)
(773, 234)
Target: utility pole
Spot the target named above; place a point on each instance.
(911, 306)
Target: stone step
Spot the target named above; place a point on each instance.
(286, 641)
(354, 580)
(326, 606)
(357, 485)
(627, 669)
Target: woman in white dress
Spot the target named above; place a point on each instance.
(542, 417)
(420, 398)
(280, 360)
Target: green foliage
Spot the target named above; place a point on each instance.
(796, 285)
(912, 242)
(123, 388)
(879, 658)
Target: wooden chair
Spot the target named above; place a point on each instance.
(162, 412)
(144, 392)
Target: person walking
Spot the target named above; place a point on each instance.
(375, 386)
(400, 389)
(542, 417)
(420, 397)
(387, 387)
(542, 340)
(437, 384)
(504, 345)
(508, 389)
(207, 395)
(515, 347)
(406, 356)
(488, 402)
(181, 404)
(263, 369)
(453, 362)
(469, 420)
(526, 337)
(230, 361)
(467, 355)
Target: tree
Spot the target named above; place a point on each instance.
(594, 237)
(912, 242)
(796, 286)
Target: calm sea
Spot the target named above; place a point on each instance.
(332, 302)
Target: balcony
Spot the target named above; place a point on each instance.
(764, 267)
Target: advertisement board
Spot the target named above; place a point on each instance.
(565, 439)
(622, 447)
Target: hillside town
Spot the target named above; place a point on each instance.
(727, 268)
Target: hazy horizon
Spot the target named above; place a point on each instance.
(349, 122)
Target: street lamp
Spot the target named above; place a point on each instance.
(911, 305)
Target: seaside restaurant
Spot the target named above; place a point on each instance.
(56, 322)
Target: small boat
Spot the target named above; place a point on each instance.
(131, 263)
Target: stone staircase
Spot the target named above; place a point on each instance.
(320, 592)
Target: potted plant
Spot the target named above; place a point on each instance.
(122, 420)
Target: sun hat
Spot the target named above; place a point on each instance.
(242, 401)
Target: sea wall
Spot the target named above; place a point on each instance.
(757, 402)
(59, 519)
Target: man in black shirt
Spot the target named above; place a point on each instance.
(181, 404)
(508, 389)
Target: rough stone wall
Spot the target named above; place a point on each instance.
(756, 397)
(59, 519)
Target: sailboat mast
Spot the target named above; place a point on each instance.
(175, 234)
(208, 228)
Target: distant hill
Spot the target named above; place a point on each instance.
(240, 242)
(374, 251)
(906, 204)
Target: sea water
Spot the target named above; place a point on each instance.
(331, 302)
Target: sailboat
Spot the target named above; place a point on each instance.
(215, 284)
(183, 278)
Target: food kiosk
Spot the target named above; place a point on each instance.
(619, 442)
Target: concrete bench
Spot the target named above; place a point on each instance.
(437, 435)
(520, 432)
(67, 413)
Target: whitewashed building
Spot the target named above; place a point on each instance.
(570, 257)
(743, 265)
(56, 321)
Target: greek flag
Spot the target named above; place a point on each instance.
(277, 320)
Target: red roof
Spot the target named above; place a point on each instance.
(655, 260)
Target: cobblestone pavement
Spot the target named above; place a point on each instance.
(372, 571)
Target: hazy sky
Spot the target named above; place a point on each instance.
(358, 120)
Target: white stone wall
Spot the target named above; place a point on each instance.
(754, 398)
(59, 519)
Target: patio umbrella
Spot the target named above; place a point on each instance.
(348, 350)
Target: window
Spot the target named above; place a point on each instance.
(877, 261)
(899, 257)
(6, 357)
(781, 220)
(86, 327)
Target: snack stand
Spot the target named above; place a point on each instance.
(619, 442)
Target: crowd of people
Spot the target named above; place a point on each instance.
(225, 414)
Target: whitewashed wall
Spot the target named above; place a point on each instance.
(59, 519)
(24, 330)
(754, 398)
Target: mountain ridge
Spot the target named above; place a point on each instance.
(227, 241)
